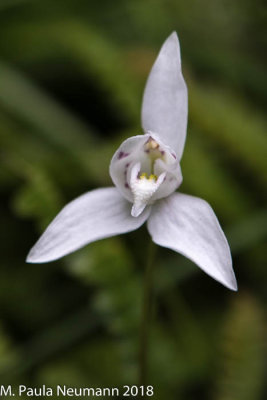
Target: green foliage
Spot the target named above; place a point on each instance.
(243, 345)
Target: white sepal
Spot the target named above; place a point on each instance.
(164, 108)
(95, 215)
(188, 225)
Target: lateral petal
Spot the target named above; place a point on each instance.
(128, 154)
(188, 225)
(95, 215)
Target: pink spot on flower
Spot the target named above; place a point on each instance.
(122, 155)
(174, 156)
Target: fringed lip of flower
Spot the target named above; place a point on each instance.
(146, 173)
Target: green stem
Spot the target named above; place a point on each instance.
(146, 315)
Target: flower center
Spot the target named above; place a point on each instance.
(153, 151)
(151, 177)
(145, 170)
(143, 187)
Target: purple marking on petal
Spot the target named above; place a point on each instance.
(147, 151)
(174, 156)
(122, 155)
(127, 165)
(126, 185)
(162, 152)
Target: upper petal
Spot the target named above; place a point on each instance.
(189, 226)
(95, 215)
(164, 108)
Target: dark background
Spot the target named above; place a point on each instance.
(72, 75)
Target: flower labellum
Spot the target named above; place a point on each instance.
(146, 173)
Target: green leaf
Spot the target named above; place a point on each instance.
(241, 366)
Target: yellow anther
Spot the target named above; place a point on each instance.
(143, 175)
(153, 177)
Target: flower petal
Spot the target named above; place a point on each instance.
(95, 215)
(164, 109)
(173, 179)
(128, 154)
(188, 225)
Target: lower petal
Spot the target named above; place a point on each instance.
(95, 215)
(188, 225)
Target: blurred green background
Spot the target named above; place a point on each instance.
(72, 73)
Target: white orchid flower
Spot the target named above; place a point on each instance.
(146, 173)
